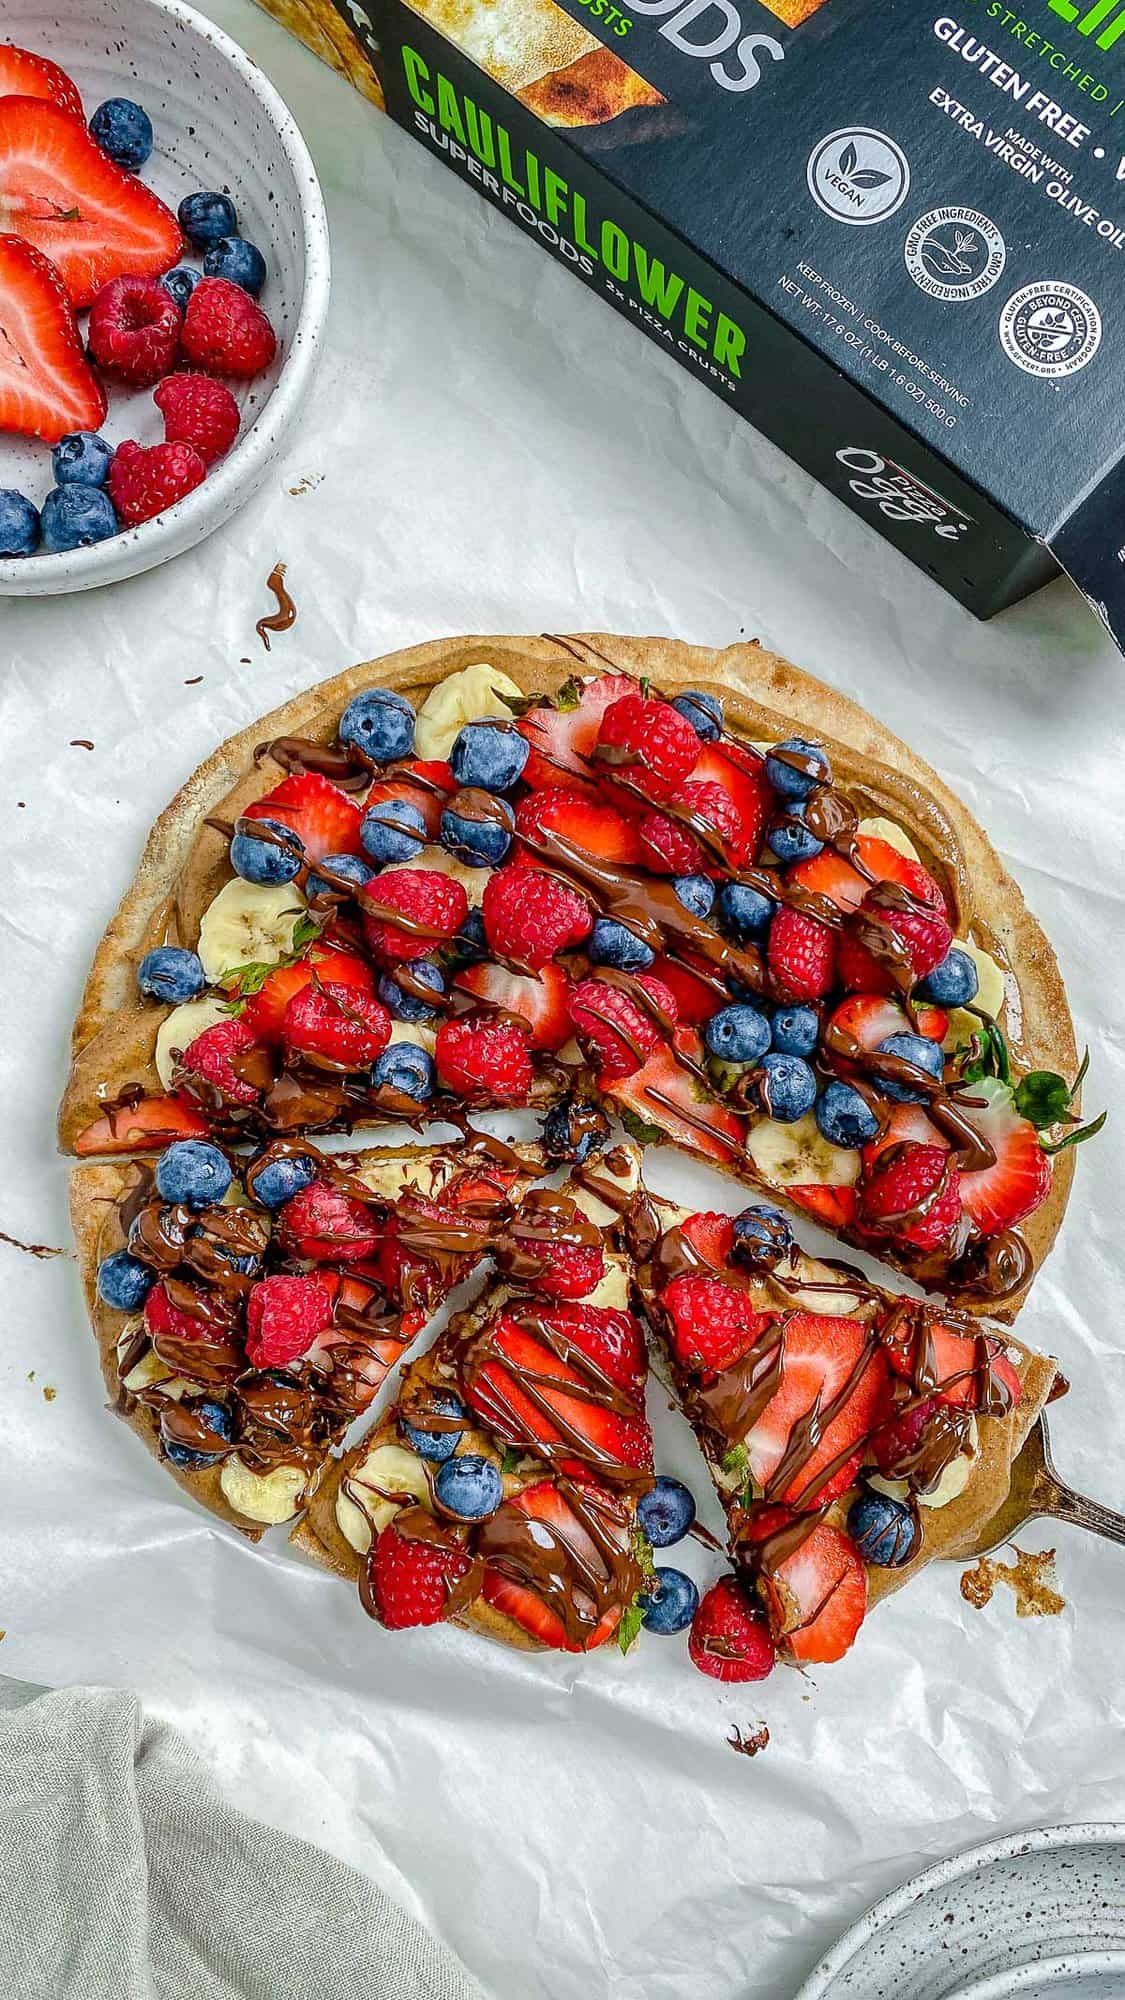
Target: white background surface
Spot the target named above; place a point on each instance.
(495, 451)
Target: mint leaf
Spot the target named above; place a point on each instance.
(736, 1459)
(305, 930)
(1043, 1097)
(629, 1629)
(638, 1129)
(646, 686)
(1076, 1138)
(244, 980)
(642, 1550)
(569, 695)
(511, 1461)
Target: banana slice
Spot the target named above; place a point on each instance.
(249, 923)
(473, 880)
(600, 1212)
(799, 1155)
(417, 1032)
(613, 1289)
(363, 1505)
(957, 1473)
(269, 1497)
(892, 833)
(182, 1026)
(460, 698)
(391, 1177)
(991, 995)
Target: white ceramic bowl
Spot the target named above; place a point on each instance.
(218, 123)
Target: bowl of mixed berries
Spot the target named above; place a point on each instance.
(164, 277)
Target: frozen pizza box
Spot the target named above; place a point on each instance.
(890, 236)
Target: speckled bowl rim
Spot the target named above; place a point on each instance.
(1017, 1979)
(1093, 1833)
(227, 485)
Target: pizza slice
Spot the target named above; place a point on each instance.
(852, 1434)
(500, 1490)
(248, 1309)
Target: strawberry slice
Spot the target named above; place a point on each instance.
(146, 1126)
(817, 1597)
(544, 1504)
(1004, 1194)
(694, 997)
(326, 820)
(834, 1206)
(830, 875)
(666, 1094)
(820, 1356)
(870, 1019)
(46, 386)
(741, 774)
(908, 1124)
(712, 1235)
(435, 782)
(25, 74)
(590, 824)
(539, 999)
(591, 1433)
(562, 739)
(953, 1358)
(265, 1010)
(59, 191)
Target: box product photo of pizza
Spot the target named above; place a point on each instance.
(563, 1036)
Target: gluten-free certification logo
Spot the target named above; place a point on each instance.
(858, 175)
(954, 253)
(1050, 329)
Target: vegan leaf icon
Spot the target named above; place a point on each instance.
(868, 177)
(849, 159)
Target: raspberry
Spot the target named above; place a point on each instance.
(905, 1178)
(728, 1640)
(225, 331)
(342, 1023)
(435, 903)
(134, 330)
(284, 1316)
(569, 1270)
(144, 479)
(411, 1581)
(480, 1058)
(327, 1226)
(713, 1324)
(650, 741)
(199, 412)
(529, 916)
(802, 955)
(618, 1033)
(895, 1443)
(671, 849)
(165, 1321)
(922, 931)
(212, 1059)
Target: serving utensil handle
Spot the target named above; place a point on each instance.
(1063, 1504)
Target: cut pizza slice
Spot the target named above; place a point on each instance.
(852, 1434)
(500, 1490)
(247, 1309)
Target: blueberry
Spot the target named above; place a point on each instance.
(171, 974)
(469, 1486)
(217, 1418)
(348, 865)
(575, 1129)
(479, 843)
(885, 1531)
(204, 218)
(180, 284)
(81, 458)
(380, 724)
(795, 1030)
(787, 1087)
(696, 893)
(916, 1049)
(75, 517)
(124, 1282)
(407, 1006)
(437, 1446)
(615, 945)
(791, 839)
(393, 830)
(703, 711)
(670, 1603)
(953, 983)
(194, 1172)
(666, 1513)
(790, 782)
(19, 523)
(279, 1180)
(405, 1067)
(260, 860)
(470, 946)
(844, 1118)
(762, 1236)
(239, 262)
(743, 912)
(123, 131)
(737, 1034)
(489, 755)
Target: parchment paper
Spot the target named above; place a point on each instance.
(488, 449)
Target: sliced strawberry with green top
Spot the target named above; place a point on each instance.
(25, 74)
(265, 1010)
(146, 1126)
(664, 1093)
(817, 1598)
(510, 1398)
(544, 1504)
(590, 824)
(46, 385)
(830, 875)
(1000, 1196)
(540, 999)
(324, 818)
(820, 1358)
(562, 739)
(59, 191)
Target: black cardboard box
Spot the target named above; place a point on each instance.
(890, 235)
